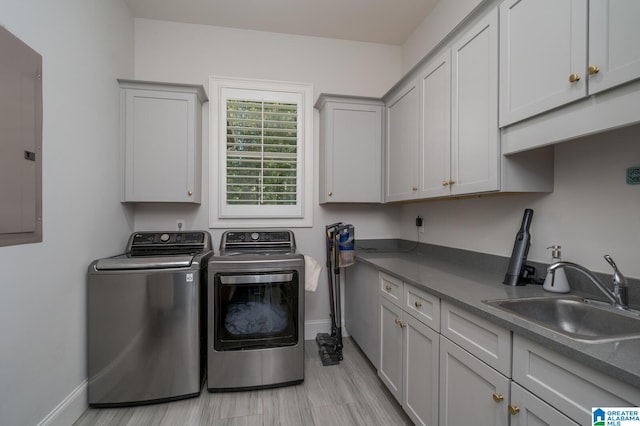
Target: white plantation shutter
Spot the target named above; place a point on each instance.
(262, 146)
(262, 131)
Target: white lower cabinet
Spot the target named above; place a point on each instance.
(409, 351)
(390, 370)
(567, 385)
(361, 309)
(421, 348)
(526, 409)
(471, 392)
(450, 367)
(475, 369)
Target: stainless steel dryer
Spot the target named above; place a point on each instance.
(256, 312)
(146, 320)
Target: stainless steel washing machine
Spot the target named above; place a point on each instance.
(146, 320)
(256, 312)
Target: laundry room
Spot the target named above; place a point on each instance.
(575, 165)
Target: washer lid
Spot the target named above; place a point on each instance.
(124, 262)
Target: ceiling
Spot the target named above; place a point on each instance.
(375, 21)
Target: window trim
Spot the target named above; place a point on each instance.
(269, 216)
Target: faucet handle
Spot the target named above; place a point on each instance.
(618, 278)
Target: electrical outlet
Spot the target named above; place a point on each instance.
(420, 224)
(180, 224)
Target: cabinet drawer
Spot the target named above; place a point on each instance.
(423, 306)
(565, 384)
(487, 341)
(391, 289)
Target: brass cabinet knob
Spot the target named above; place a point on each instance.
(418, 304)
(397, 321)
(513, 409)
(414, 188)
(498, 397)
(190, 193)
(451, 181)
(388, 288)
(573, 78)
(330, 193)
(593, 69)
(445, 183)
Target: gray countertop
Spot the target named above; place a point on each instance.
(467, 284)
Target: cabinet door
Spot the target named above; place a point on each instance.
(475, 144)
(390, 370)
(528, 410)
(352, 153)
(402, 144)
(160, 146)
(471, 392)
(542, 42)
(436, 127)
(421, 361)
(613, 42)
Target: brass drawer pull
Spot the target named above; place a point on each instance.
(418, 304)
(498, 397)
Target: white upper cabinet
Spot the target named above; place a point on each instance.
(350, 149)
(543, 56)
(614, 51)
(436, 126)
(402, 143)
(554, 52)
(475, 139)
(161, 141)
(443, 137)
(460, 142)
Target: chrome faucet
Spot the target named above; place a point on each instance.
(619, 297)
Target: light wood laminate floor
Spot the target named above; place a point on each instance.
(349, 393)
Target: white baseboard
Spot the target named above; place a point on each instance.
(313, 327)
(70, 409)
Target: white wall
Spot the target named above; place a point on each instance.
(186, 53)
(444, 18)
(85, 46)
(591, 212)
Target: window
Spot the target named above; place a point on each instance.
(261, 153)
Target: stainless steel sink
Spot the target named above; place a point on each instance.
(575, 317)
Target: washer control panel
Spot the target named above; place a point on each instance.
(161, 243)
(258, 240)
(146, 238)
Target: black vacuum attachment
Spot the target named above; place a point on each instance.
(518, 271)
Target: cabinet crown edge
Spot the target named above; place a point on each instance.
(197, 89)
(324, 98)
